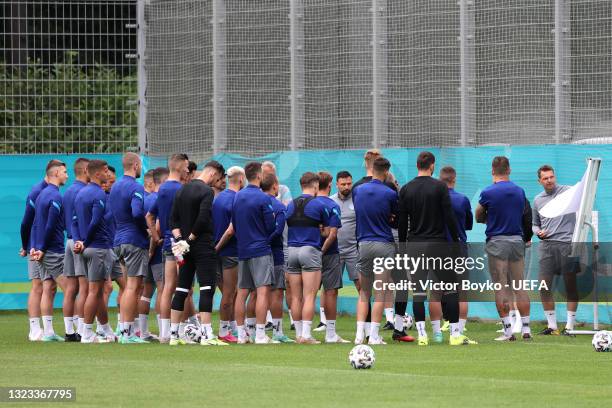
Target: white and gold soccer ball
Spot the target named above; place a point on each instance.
(193, 332)
(602, 341)
(362, 357)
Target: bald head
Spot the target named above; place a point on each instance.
(132, 165)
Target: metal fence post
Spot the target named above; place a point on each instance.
(467, 64)
(219, 77)
(296, 50)
(142, 76)
(562, 72)
(380, 120)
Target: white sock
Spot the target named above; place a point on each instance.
(330, 330)
(34, 325)
(462, 323)
(107, 329)
(75, 323)
(290, 316)
(250, 326)
(158, 317)
(306, 326)
(165, 328)
(322, 313)
(277, 330)
(551, 316)
(241, 332)
(181, 330)
(88, 330)
(260, 331)
(374, 327)
(144, 325)
(269, 317)
(420, 326)
(128, 328)
(513, 313)
(174, 330)
(399, 323)
(435, 326)
(367, 328)
(360, 334)
(68, 325)
(137, 326)
(207, 331)
(233, 325)
(389, 314)
(80, 325)
(571, 320)
(48, 326)
(454, 329)
(224, 326)
(525, 328)
(507, 321)
(298, 328)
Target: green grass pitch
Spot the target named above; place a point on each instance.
(549, 371)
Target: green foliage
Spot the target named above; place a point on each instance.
(64, 108)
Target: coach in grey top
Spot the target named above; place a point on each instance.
(347, 239)
(554, 251)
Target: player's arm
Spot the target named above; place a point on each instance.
(394, 221)
(331, 224)
(469, 218)
(137, 207)
(449, 214)
(152, 222)
(227, 235)
(329, 241)
(97, 217)
(53, 218)
(403, 216)
(279, 219)
(204, 218)
(527, 222)
(26, 225)
(268, 216)
(536, 224)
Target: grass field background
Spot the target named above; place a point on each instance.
(549, 371)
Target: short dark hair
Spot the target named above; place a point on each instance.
(268, 181)
(448, 174)
(112, 169)
(176, 160)
(96, 165)
(192, 166)
(53, 164)
(545, 167)
(251, 170)
(501, 165)
(425, 160)
(381, 165)
(325, 180)
(80, 166)
(149, 174)
(213, 164)
(343, 174)
(159, 174)
(308, 179)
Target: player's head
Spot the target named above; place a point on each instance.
(253, 173)
(390, 179)
(344, 183)
(177, 164)
(268, 168)
(214, 175)
(369, 158)
(547, 178)
(269, 184)
(380, 169)
(236, 177)
(309, 183)
(98, 171)
(500, 167)
(160, 175)
(112, 176)
(132, 165)
(426, 163)
(325, 182)
(56, 172)
(80, 169)
(192, 171)
(149, 184)
(448, 175)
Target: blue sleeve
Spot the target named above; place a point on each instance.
(153, 210)
(335, 217)
(394, 205)
(268, 214)
(76, 233)
(279, 219)
(469, 217)
(97, 216)
(483, 200)
(26, 222)
(53, 217)
(137, 206)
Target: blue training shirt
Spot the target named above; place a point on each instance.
(308, 236)
(222, 217)
(68, 199)
(110, 222)
(276, 238)
(332, 212)
(253, 221)
(48, 227)
(375, 205)
(28, 216)
(127, 206)
(463, 214)
(148, 204)
(504, 202)
(88, 224)
(162, 208)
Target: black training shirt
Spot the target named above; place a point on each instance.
(192, 213)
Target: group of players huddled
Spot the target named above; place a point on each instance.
(243, 233)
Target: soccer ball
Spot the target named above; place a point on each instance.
(362, 357)
(602, 341)
(193, 333)
(408, 322)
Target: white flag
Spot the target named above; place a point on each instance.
(567, 202)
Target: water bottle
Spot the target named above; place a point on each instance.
(179, 259)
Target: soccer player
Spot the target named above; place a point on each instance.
(501, 206)
(376, 212)
(155, 275)
(149, 184)
(331, 267)
(48, 241)
(91, 238)
(131, 239)
(306, 217)
(465, 221)
(161, 210)
(270, 186)
(74, 272)
(425, 215)
(192, 228)
(253, 221)
(34, 298)
(554, 252)
(227, 249)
